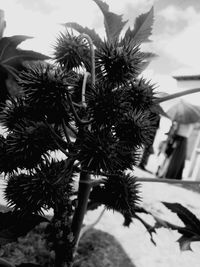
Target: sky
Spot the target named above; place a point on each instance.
(175, 36)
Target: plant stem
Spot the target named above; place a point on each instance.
(75, 113)
(168, 181)
(172, 96)
(72, 129)
(57, 137)
(5, 263)
(92, 225)
(83, 195)
(66, 132)
(87, 37)
(84, 88)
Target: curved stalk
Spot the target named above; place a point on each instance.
(87, 37)
(84, 88)
(172, 96)
(75, 113)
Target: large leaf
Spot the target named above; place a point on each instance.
(186, 216)
(14, 225)
(113, 22)
(191, 231)
(142, 28)
(93, 35)
(5, 263)
(17, 39)
(12, 58)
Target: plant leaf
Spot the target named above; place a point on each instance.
(186, 216)
(14, 225)
(142, 28)
(150, 229)
(12, 58)
(191, 231)
(184, 243)
(113, 23)
(18, 39)
(92, 33)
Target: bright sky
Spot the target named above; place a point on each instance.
(175, 35)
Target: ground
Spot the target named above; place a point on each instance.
(135, 240)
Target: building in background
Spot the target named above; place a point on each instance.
(192, 168)
(192, 164)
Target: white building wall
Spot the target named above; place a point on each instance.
(192, 168)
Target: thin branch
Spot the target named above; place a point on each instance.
(54, 133)
(59, 139)
(83, 196)
(75, 113)
(72, 129)
(87, 37)
(62, 149)
(66, 132)
(77, 105)
(172, 96)
(5, 263)
(84, 88)
(90, 226)
(164, 180)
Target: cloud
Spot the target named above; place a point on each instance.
(179, 40)
(45, 27)
(42, 5)
(184, 47)
(175, 14)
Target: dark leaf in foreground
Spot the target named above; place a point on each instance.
(191, 231)
(12, 58)
(14, 225)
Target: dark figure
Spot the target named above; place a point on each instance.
(177, 158)
(176, 151)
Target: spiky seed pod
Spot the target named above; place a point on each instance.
(124, 156)
(28, 143)
(119, 192)
(15, 112)
(42, 189)
(105, 106)
(136, 128)
(102, 151)
(140, 94)
(117, 65)
(7, 164)
(71, 52)
(94, 151)
(45, 91)
(29, 193)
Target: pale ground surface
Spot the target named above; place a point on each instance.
(135, 239)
